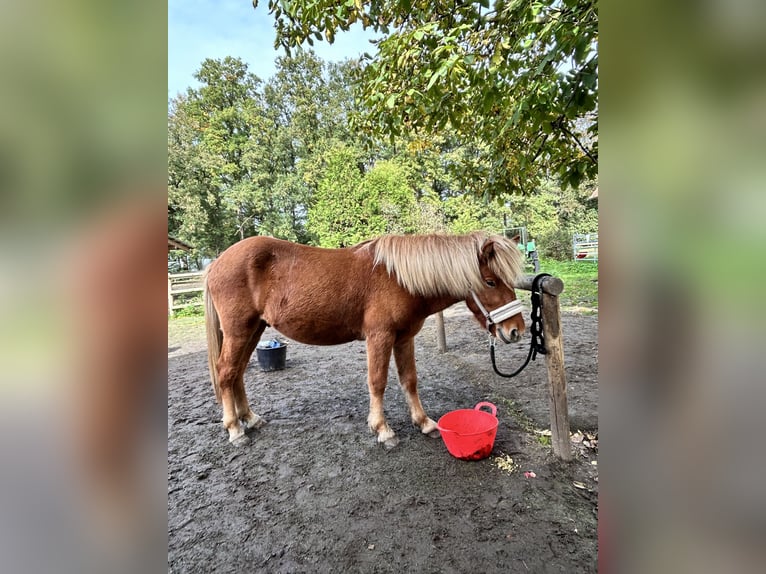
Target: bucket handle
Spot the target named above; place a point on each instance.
(491, 407)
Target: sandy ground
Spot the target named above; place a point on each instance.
(314, 492)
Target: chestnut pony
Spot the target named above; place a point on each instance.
(380, 291)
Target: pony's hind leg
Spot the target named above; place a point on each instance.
(231, 370)
(245, 414)
(378, 357)
(404, 355)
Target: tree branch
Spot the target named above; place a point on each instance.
(569, 132)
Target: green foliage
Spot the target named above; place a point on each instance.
(466, 213)
(244, 157)
(552, 215)
(340, 214)
(191, 311)
(391, 197)
(351, 205)
(209, 129)
(518, 80)
(428, 216)
(556, 244)
(278, 158)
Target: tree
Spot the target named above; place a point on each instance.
(307, 103)
(389, 193)
(340, 214)
(466, 213)
(211, 191)
(245, 158)
(228, 106)
(518, 80)
(553, 214)
(352, 205)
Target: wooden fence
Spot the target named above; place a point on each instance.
(180, 286)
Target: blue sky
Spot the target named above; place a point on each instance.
(199, 29)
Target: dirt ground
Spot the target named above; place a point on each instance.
(313, 492)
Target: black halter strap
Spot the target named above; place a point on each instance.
(537, 339)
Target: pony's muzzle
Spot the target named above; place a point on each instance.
(513, 337)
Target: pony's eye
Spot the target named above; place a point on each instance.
(490, 283)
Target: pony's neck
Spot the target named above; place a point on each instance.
(436, 304)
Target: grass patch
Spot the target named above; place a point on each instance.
(186, 321)
(516, 413)
(182, 327)
(542, 436)
(544, 440)
(580, 283)
(191, 311)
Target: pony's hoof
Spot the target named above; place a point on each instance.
(390, 443)
(240, 441)
(254, 423)
(430, 428)
(387, 438)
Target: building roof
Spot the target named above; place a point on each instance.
(174, 243)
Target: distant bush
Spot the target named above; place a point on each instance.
(192, 311)
(556, 244)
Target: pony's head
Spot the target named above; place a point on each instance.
(493, 302)
(478, 267)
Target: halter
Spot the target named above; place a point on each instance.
(537, 339)
(498, 315)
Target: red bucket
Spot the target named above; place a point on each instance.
(469, 434)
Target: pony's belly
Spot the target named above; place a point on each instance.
(319, 338)
(312, 333)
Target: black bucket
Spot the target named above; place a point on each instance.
(272, 358)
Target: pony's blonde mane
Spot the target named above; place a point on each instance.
(439, 264)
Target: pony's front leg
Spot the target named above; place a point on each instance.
(378, 357)
(404, 355)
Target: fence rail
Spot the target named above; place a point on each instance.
(183, 284)
(585, 246)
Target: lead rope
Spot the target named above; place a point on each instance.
(537, 339)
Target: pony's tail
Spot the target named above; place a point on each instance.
(214, 339)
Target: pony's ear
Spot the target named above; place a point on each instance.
(516, 239)
(488, 249)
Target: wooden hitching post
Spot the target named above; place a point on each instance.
(441, 337)
(170, 296)
(557, 381)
